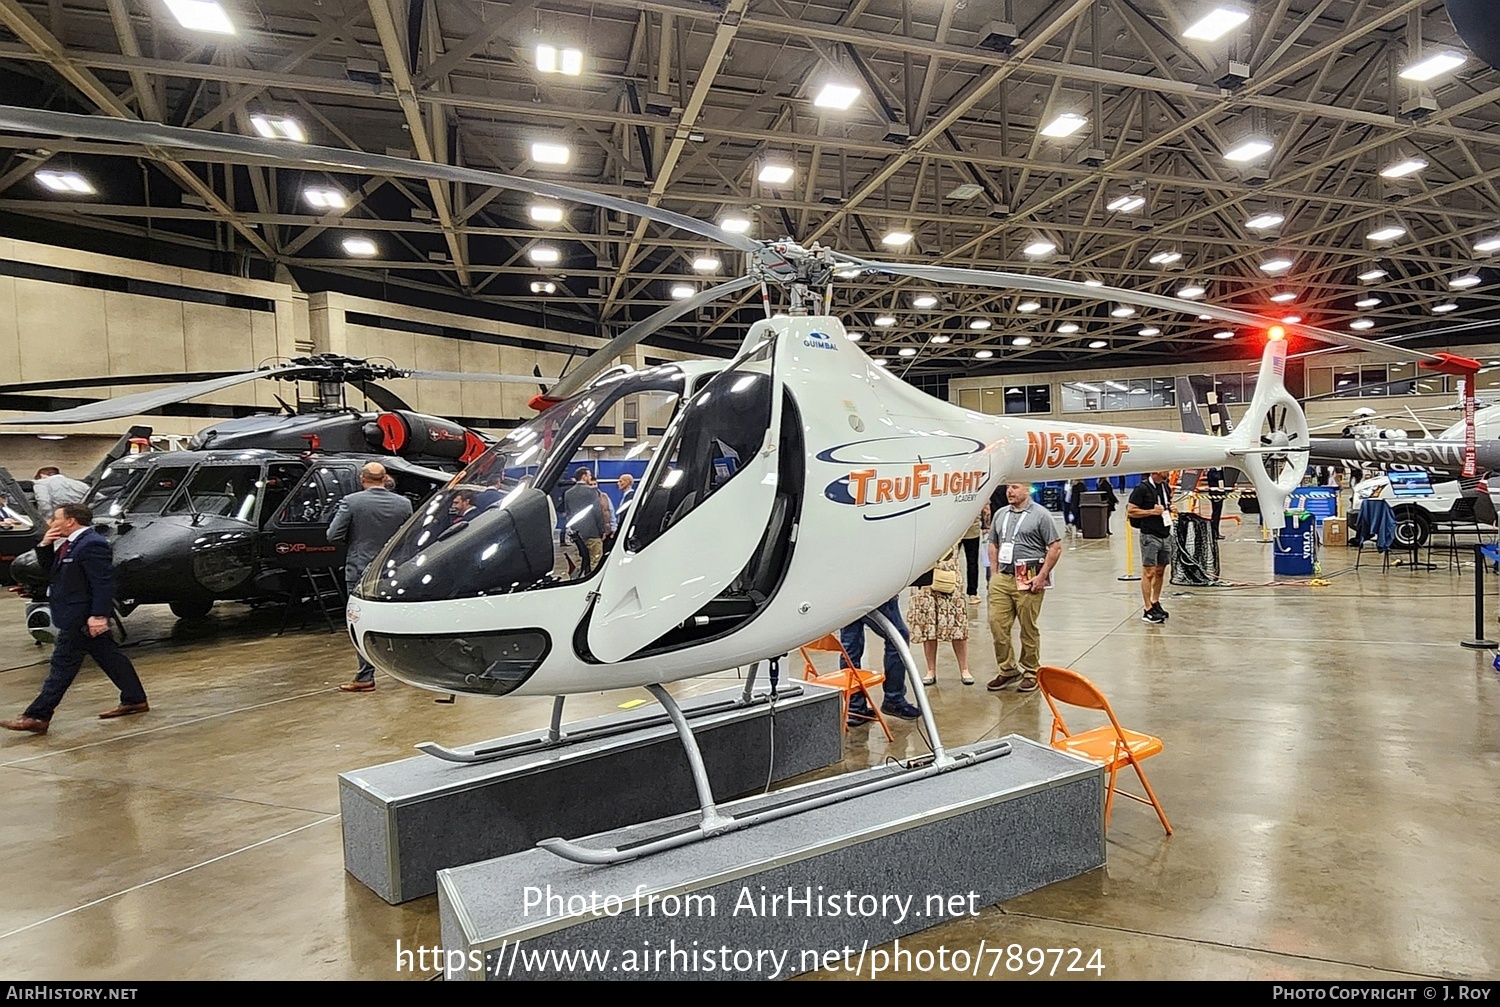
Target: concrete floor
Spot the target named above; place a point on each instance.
(1330, 771)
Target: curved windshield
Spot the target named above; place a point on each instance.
(529, 513)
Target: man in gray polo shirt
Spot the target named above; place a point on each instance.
(1024, 547)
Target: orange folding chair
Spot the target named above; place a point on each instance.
(1113, 746)
(849, 679)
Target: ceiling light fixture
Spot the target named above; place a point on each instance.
(1277, 265)
(1216, 24)
(1491, 244)
(735, 225)
(551, 153)
(1093, 283)
(924, 301)
(1040, 247)
(1284, 297)
(1068, 328)
(880, 363)
(1126, 203)
(775, 173)
(1027, 307)
(968, 190)
(1387, 232)
(940, 338)
(1065, 125)
(544, 255)
(278, 127)
(979, 324)
(839, 96)
(543, 287)
(907, 351)
(325, 199)
(1265, 221)
(705, 264)
(1367, 302)
(65, 181)
(1226, 334)
(362, 247)
(550, 59)
(1432, 66)
(1098, 344)
(1292, 320)
(1251, 149)
(1371, 275)
(1400, 169)
(854, 337)
(201, 15)
(545, 213)
(1192, 290)
(885, 321)
(1361, 324)
(1021, 341)
(895, 239)
(983, 354)
(681, 291)
(1444, 308)
(1165, 258)
(1122, 311)
(1149, 331)
(1465, 281)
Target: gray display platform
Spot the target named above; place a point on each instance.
(950, 844)
(405, 820)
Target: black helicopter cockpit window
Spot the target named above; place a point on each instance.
(161, 482)
(112, 492)
(497, 527)
(721, 428)
(317, 496)
(230, 491)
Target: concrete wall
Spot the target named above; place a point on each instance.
(53, 328)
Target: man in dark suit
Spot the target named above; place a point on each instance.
(81, 590)
(367, 520)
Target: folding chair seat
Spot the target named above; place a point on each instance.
(848, 679)
(1112, 746)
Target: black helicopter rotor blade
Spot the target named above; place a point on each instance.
(60, 384)
(383, 396)
(509, 379)
(141, 402)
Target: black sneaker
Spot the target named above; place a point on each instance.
(859, 716)
(1152, 617)
(1160, 611)
(901, 709)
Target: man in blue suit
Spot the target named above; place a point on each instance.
(82, 593)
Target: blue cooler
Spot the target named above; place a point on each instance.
(1296, 545)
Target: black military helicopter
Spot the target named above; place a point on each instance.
(243, 513)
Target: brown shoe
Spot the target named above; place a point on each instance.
(124, 710)
(26, 724)
(1004, 680)
(357, 686)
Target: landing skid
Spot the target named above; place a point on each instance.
(712, 823)
(557, 738)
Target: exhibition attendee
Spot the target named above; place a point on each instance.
(81, 592)
(894, 702)
(1150, 503)
(12, 518)
(938, 613)
(1024, 547)
(626, 483)
(582, 504)
(367, 520)
(1111, 503)
(970, 543)
(51, 490)
(1214, 477)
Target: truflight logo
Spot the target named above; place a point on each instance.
(819, 341)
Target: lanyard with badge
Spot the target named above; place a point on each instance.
(1007, 552)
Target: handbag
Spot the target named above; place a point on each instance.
(944, 581)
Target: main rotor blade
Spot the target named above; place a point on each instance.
(57, 384)
(512, 379)
(383, 396)
(140, 402)
(600, 358)
(1072, 288)
(95, 127)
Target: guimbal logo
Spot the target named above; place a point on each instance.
(819, 341)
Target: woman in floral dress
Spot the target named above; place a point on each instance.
(937, 615)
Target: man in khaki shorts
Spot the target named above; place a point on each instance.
(1024, 547)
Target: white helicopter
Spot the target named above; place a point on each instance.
(795, 489)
